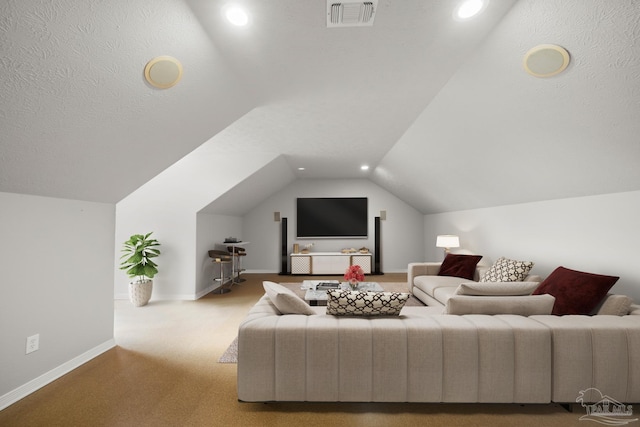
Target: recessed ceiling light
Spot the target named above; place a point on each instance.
(470, 8)
(364, 167)
(300, 169)
(236, 15)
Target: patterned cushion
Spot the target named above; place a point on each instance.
(285, 300)
(507, 270)
(349, 303)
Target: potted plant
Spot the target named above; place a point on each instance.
(136, 260)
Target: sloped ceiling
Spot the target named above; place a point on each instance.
(441, 110)
(77, 118)
(496, 136)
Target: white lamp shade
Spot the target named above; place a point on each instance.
(447, 241)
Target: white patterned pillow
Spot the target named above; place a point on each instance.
(507, 270)
(350, 303)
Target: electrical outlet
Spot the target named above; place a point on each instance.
(33, 343)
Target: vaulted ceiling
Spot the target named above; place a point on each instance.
(441, 110)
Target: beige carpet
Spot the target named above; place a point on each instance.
(164, 372)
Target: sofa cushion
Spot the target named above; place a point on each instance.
(576, 292)
(457, 265)
(444, 293)
(285, 300)
(349, 303)
(523, 305)
(507, 270)
(497, 288)
(429, 284)
(614, 305)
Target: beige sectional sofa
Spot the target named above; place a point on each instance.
(433, 290)
(441, 291)
(424, 355)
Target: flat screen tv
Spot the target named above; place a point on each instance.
(337, 217)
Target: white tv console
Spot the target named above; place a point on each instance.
(329, 262)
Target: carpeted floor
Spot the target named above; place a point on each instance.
(164, 372)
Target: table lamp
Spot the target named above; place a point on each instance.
(447, 241)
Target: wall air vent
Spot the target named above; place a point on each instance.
(351, 13)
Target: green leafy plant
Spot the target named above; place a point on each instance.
(137, 253)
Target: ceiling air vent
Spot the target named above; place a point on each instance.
(351, 13)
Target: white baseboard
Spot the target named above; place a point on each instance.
(48, 377)
(206, 291)
(161, 297)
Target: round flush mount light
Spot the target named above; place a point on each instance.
(236, 15)
(546, 60)
(163, 72)
(469, 8)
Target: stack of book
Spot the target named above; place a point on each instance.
(327, 286)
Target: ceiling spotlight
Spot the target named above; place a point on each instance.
(364, 167)
(470, 8)
(300, 169)
(236, 15)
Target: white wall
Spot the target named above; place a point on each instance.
(401, 232)
(175, 229)
(597, 234)
(56, 280)
(169, 204)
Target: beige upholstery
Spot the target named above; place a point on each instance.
(520, 304)
(497, 288)
(422, 356)
(595, 351)
(615, 305)
(413, 358)
(285, 300)
(433, 290)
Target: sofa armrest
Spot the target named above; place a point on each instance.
(421, 269)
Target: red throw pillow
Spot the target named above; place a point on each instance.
(576, 292)
(459, 266)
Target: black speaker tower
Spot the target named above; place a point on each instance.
(283, 247)
(377, 251)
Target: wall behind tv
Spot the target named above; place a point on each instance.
(402, 231)
(597, 234)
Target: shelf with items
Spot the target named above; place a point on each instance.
(329, 262)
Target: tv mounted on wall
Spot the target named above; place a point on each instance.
(327, 217)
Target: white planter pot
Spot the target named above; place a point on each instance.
(140, 292)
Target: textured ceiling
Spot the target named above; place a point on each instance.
(495, 135)
(78, 120)
(442, 110)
